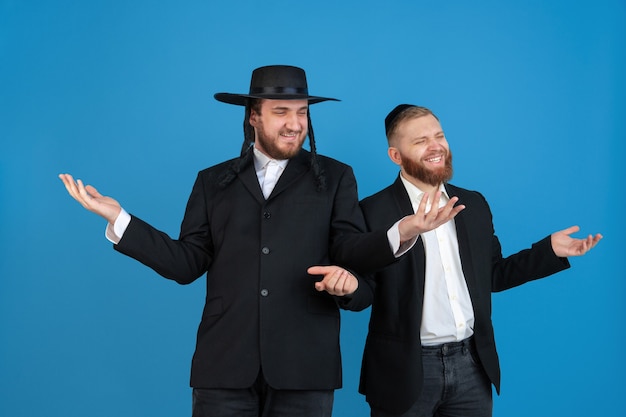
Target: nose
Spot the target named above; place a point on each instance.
(294, 122)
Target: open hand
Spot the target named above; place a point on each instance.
(564, 245)
(422, 222)
(91, 199)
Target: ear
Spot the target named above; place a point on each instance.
(254, 117)
(394, 155)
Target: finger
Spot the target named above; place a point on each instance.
(447, 210)
(332, 280)
(335, 282)
(581, 247)
(434, 206)
(458, 209)
(590, 243)
(421, 209)
(596, 239)
(68, 181)
(86, 198)
(66, 178)
(82, 191)
(318, 270)
(585, 245)
(72, 188)
(348, 283)
(570, 230)
(326, 284)
(92, 191)
(343, 283)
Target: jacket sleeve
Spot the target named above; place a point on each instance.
(539, 261)
(362, 297)
(351, 245)
(182, 260)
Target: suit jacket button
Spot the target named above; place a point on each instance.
(267, 215)
(265, 250)
(264, 292)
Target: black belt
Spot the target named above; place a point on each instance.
(450, 348)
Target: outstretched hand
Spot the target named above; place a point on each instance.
(336, 281)
(91, 199)
(422, 222)
(564, 245)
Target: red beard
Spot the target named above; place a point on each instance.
(417, 170)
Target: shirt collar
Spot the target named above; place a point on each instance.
(415, 194)
(261, 160)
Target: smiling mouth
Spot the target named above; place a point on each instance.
(290, 135)
(435, 159)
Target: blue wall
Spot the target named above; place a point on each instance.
(119, 93)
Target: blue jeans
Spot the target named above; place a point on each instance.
(455, 384)
(261, 400)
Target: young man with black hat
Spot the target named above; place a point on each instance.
(268, 341)
(430, 349)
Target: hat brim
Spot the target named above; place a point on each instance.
(242, 99)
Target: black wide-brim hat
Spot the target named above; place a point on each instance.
(274, 82)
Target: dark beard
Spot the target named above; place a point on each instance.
(274, 151)
(417, 170)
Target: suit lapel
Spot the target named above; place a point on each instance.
(465, 249)
(416, 257)
(248, 177)
(297, 166)
(401, 197)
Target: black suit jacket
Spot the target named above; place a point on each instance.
(262, 310)
(391, 374)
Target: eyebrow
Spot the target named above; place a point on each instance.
(439, 133)
(289, 108)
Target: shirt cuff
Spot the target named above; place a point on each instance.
(115, 232)
(393, 234)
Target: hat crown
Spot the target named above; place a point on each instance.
(278, 79)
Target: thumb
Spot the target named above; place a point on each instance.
(571, 229)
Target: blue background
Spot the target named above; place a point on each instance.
(120, 93)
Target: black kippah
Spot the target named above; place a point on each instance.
(393, 114)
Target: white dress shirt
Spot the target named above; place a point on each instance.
(447, 314)
(262, 166)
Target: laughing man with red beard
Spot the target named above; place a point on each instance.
(430, 350)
